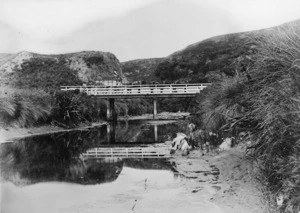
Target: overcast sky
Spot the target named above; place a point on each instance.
(131, 29)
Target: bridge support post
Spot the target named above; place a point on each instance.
(154, 109)
(111, 112)
(155, 133)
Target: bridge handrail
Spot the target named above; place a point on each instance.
(134, 86)
(145, 89)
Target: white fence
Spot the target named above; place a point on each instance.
(159, 89)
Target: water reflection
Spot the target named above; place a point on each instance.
(58, 157)
(140, 132)
(29, 161)
(50, 174)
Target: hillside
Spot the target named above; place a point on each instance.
(141, 69)
(204, 61)
(212, 58)
(31, 70)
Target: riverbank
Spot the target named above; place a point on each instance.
(10, 133)
(228, 179)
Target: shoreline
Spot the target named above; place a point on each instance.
(228, 179)
(8, 134)
(11, 133)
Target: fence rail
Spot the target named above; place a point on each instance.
(127, 153)
(129, 90)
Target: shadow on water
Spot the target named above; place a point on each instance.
(58, 157)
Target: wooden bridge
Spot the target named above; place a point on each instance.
(139, 91)
(127, 152)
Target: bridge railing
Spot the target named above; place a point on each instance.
(139, 89)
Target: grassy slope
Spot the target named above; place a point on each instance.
(200, 62)
(141, 69)
(210, 59)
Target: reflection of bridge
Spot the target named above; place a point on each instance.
(111, 132)
(139, 91)
(130, 152)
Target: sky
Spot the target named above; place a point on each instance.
(131, 29)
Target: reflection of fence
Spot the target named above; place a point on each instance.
(132, 152)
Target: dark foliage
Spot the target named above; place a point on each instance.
(44, 73)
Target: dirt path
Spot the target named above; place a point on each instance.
(227, 179)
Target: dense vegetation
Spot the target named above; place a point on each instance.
(25, 108)
(44, 73)
(265, 103)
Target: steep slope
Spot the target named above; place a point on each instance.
(31, 70)
(141, 69)
(205, 61)
(211, 59)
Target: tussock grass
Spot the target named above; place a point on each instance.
(22, 108)
(265, 101)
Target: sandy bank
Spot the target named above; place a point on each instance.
(228, 179)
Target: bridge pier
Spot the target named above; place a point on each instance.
(154, 108)
(111, 112)
(110, 132)
(155, 133)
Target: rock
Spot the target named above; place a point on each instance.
(226, 145)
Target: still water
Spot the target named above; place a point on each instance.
(48, 174)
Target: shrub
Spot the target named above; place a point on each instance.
(71, 108)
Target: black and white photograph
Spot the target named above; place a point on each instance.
(149, 106)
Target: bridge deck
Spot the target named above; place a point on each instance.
(131, 91)
(132, 152)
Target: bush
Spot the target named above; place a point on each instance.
(71, 108)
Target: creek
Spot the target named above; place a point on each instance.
(48, 173)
